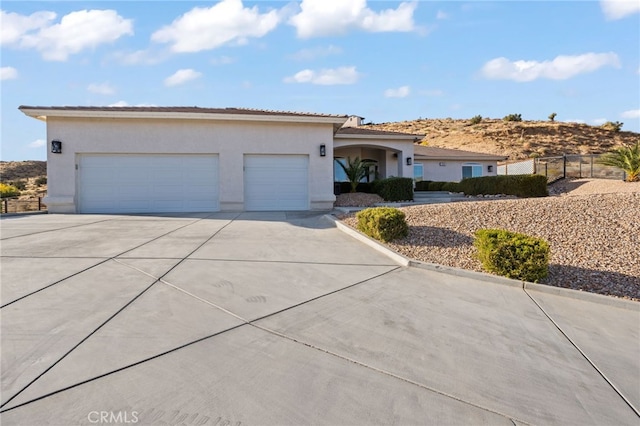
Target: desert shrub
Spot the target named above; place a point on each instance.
(42, 180)
(436, 186)
(451, 187)
(345, 187)
(518, 185)
(513, 117)
(512, 255)
(383, 223)
(394, 188)
(7, 191)
(20, 185)
(423, 185)
(552, 116)
(613, 126)
(476, 119)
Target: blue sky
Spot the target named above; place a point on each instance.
(384, 60)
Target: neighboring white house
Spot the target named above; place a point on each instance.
(452, 165)
(190, 159)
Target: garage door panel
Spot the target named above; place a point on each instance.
(276, 182)
(133, 183)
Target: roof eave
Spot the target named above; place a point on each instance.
(395, 137)
(43, 114)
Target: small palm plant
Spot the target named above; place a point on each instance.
(356, 170)
(626, 158)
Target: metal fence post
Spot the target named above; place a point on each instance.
(564, 166)
(591, 176)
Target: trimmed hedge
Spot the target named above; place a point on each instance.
(519, 185)
(394, 188)
(7, 191)
(451, 187)
(345, 187)
(423, 185)
(436, 186)
(512, 254)
(383, 223)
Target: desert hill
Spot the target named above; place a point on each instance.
(518, 140)
(25, 173)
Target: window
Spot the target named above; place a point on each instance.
(340, 176)
(418, 172)
(338, 173)
(471, 170)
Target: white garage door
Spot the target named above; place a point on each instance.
(132, 183)
(276, 182)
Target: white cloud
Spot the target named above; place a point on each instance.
(319, 18)
(126, 104)
(618, 9)
(144, 57)
(316, 52)
(560, 68)
(8, 73)
(77, 31)
(433, 92)
(101, 89)
(599, 121)
(223, 60)
(38, 143)
(208, 28)
(632, 113)
(181, 77)
(14, 25)
(442, 15)
(400, 92)
(326, 77)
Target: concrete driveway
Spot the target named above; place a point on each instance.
(282, 319)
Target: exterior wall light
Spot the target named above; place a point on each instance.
(490, 168)
(409, 161)
(441, 164)
(323, 150)
(56, 147)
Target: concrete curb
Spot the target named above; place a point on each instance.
(482, 276)
(24, 213)
(368, 241)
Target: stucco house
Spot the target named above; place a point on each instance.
(190, 159)
(452, 165)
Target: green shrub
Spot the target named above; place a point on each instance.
(345, 187)
(451, 187)
(476, 119)
(42, 180)
(383, 223)
(513, 117)
(518, 185)
(436, 186)
(394, 188)
(7, 191)
(513, 255)
(423, 185)
(552, 116)
(20, 185)
(613, 126)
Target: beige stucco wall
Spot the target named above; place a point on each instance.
(230, 140)
(452, 170)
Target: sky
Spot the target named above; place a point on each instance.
(382, 60)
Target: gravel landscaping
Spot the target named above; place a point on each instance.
(594, 236)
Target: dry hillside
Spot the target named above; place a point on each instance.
(26, 171)
(518, 140)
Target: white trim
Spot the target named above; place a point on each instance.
(377, 137)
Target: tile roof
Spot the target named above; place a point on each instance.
(181, 109)
(371, 132)
(442, 153)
